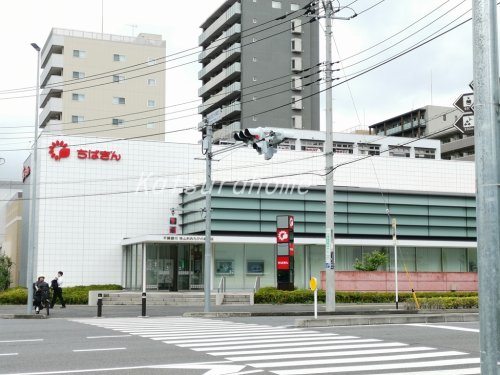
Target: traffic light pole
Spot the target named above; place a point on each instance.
(329, 221)
(208, 217)
(487, 139)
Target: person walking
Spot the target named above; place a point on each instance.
(41, 292)
(56, 285)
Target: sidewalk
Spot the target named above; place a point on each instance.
(345, 314)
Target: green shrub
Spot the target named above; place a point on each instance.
(438, 303)
(371, 261)
(5, 267)
(76, 295)
(274, 296)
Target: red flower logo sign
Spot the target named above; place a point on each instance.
(59, 150)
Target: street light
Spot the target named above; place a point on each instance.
(34, 171)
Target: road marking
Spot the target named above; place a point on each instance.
(329, 354)
(311, 348)
(243, 338)
(28, 340)
(98, 349)
(5, 354)
(385, 366)
(444, 327)
(105, 337)
(336, 361)
(458, 371)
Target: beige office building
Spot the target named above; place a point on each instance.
(103, 85)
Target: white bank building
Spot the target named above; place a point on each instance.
(104, 204)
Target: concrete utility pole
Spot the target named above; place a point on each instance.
(329, 188)
(207, 146)
(30, 268)
(329, 220)
(487, 149)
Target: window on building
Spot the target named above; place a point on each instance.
(368, 149)
(151, 82)
(79, 53)
(151, 103)
(287, 144)
(254, 20)
(254, 59)
(343, 147)
(151, 125)
(152, 61)
(399, 151)
(294, 7)
(118, 78)
(78, 75)
(78, 97)
(254, 40)
(425, 153)
(118, 100)
(310, 145)
(118, 121)
(276, 4)
(254, 118)
(444, 117)
(118, 57)
(77, 119)
(254, 79)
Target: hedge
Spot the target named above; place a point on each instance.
(445, 299)
(77, 295)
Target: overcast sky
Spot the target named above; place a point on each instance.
(436, 73)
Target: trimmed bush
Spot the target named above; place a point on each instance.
(438, 303)
(275, 296)
(76, 295)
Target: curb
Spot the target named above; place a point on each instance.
(387, 319)
(23, 316)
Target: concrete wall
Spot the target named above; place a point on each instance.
(359, 281)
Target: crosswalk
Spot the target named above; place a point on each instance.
(294, 351)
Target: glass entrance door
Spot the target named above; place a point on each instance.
(196, 263)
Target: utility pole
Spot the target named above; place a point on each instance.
(487, 146)
(329, 186)
(30, 266)
(329, 220)
(207, 146)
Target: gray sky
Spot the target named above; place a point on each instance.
(436, 73)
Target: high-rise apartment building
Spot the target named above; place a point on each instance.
(260, 68)
(103, 85)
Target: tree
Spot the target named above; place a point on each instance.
(5, 266)
(372, 261)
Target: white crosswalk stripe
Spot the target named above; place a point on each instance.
(294, 351)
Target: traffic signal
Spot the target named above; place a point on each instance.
(264, 140)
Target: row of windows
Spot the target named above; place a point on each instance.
(118, 78)
(278, 5)
(116, 121)
(151, 103)
(81, 54)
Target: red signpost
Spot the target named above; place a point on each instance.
(285, 258)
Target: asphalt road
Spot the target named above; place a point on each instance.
(263, 345)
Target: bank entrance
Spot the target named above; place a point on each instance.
(169, 266)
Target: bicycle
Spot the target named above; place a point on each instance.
(44, 302)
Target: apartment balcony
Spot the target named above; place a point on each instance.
(53, 126)
(53, 88)
(229, 36)
(455, 146)
(54, 66)
(54, 45)
(231, 110)
(227, 94)
(229, 17)
(227, 75)
(52, 111)
(225, 134)
(229, 55)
